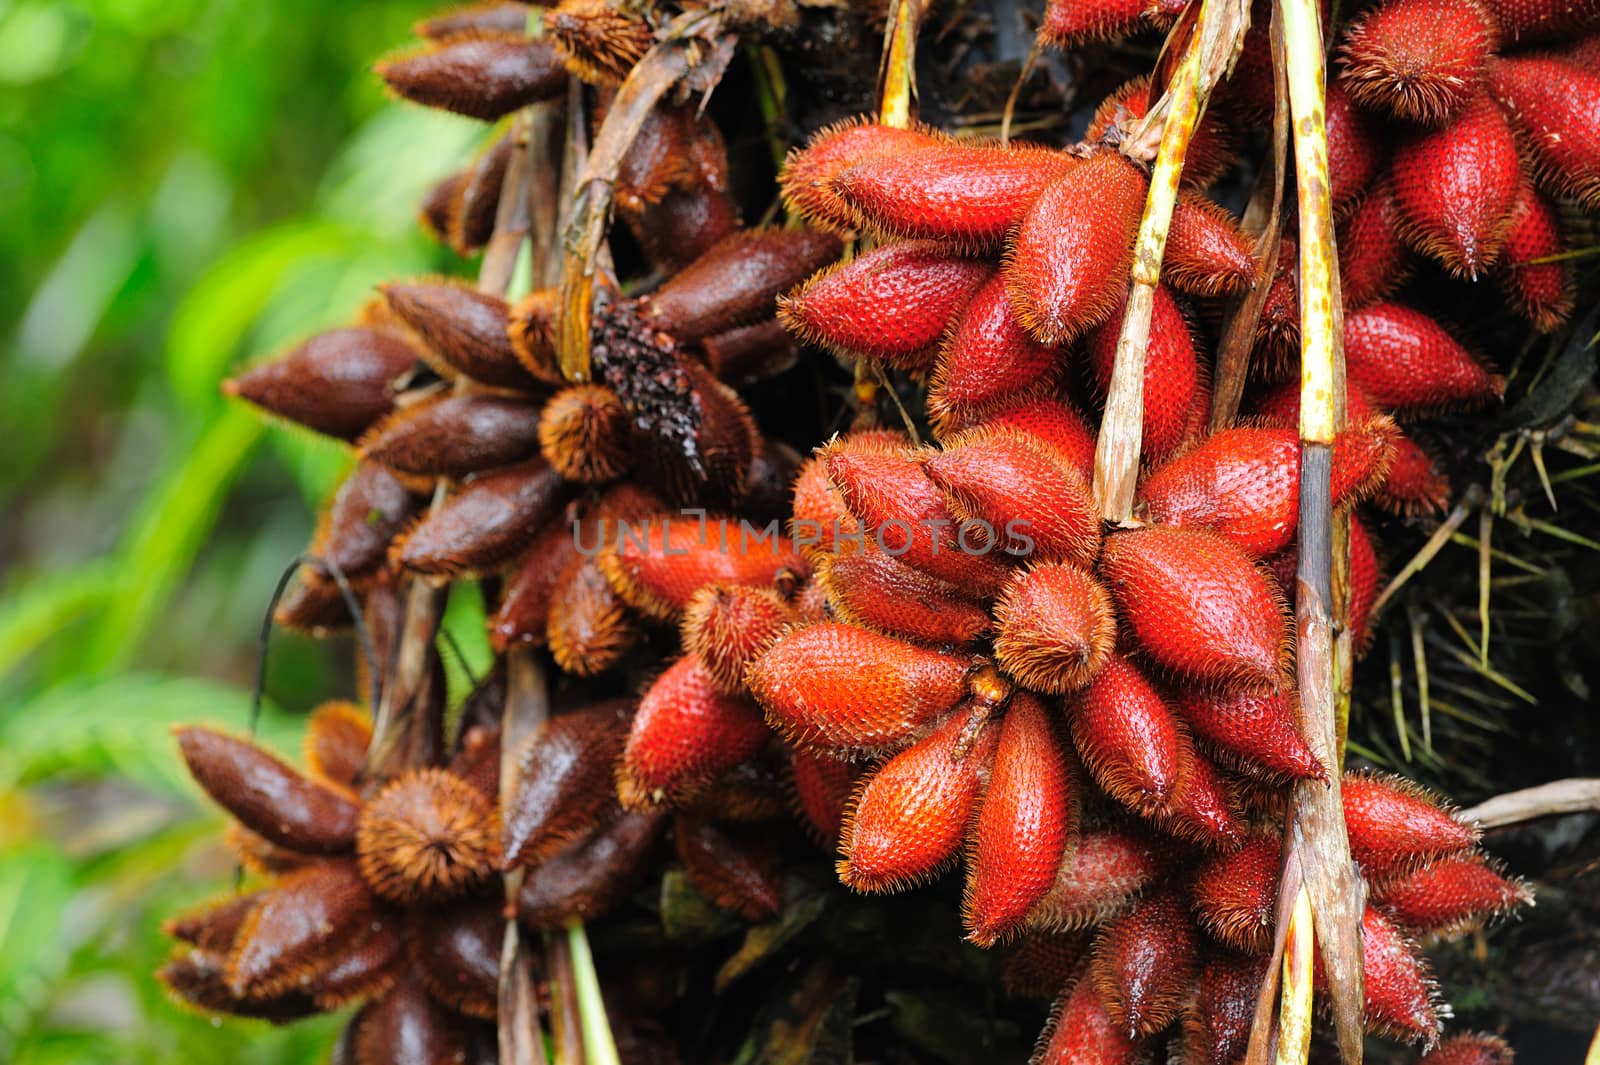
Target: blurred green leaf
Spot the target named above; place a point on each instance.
(35, 888)
(38, 608)
(122, 726)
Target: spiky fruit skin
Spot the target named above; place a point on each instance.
(462, 328)
(1404, 361)
(1473, 1048)
(267, 796)
(428, 835)
(875, 590)
(822, 788)
(337, 383)
(1234, 894)
(1400, 999)
(1144, 962)
(484, 523)
(296, 929)
(584, 434)
(1392, 824)
(1025, 824)
(1129, 739)
(820, 515)
(1533, 20)
(1257, 728)
(1419, 60)
(454, 436)
(907, 821)
(589, 877)
(1056, 627)
(892, 303)
(1209, 154)
(1055, 422)
(685, 734)
(808, 173)
(1207, 253)
(1097, 877)
(1355, 151)
(1067, 268)
(1038, 505)
(815, 691)
(1244, 484)
(1542, 292)
(726, 627)
(735, 866)
(1070, 22)
(905, 514)
(1455, 187)
(1555, 109)
(967, 194)
(564, 782)
(1373, 260)
(1172, 373)
(1277, 343)
(1451, 895)
(988, 359)
(1237, 633)
(1366, 575)
(1205, 809)
(1217, 1029)
(588, 626)
(658, 568)
(481, 75)
(1081, 1032)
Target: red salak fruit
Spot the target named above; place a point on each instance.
(1081, 1032)
(1373, 260)
(1234, 895)
(685, 734)
(1038, 505)
(822, 787)
(1099, 874)
(988, 360)
(1411, 484)
(1555, 108)
(1455, 187)
(1054, 421)
(820, 515)
(1244, 483)
(1542, 292)
(1419, 60)
(1401, 1000)
(1172, 372)
(1451, 895)
(968, 194)
(1067, 268)
(1210, 152)
(1531, 20)
(1366, 574)
(1474, 1048)
(1038, 966)
(1207, 253)
(1355, 152)
(1257, 728)
(837, 686)
(910, 816)
(1217, 1027)
(1393, 824)
(1070, 22)
(1055, 627)
(893, 303)
(1404, 361)
(1144, 962)
(1129, 738)
(904, 513)
(1027, 819)
(877, 591)
(1235, 632)
(659, 564)
(1276, 351)
(808, 173)
(726, 627)
(1204, 810)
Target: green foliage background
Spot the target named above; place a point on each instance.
(184, 185)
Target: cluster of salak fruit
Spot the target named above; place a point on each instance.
(949, 655)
